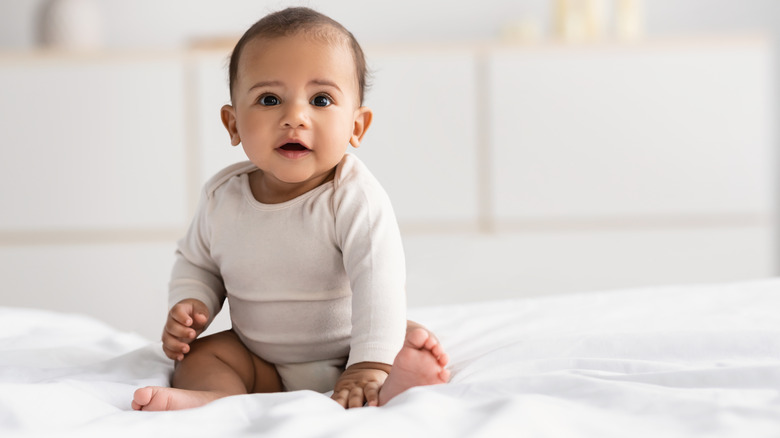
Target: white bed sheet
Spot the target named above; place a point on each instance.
(681, 361)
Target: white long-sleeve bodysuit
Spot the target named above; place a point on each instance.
(316, 278)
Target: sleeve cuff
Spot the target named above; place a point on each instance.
(372, 353)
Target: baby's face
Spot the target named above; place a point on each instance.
(296, 105)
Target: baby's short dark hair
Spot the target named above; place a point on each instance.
(292, 20)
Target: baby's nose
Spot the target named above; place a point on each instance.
(296, 116)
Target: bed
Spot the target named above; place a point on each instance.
(674, 361)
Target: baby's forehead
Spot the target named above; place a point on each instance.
(262, 46)
(328, 37)
(333, 40)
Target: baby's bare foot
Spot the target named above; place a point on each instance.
(420, 362)
(157, 398)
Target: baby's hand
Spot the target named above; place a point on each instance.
(360, 384)
(186, 320)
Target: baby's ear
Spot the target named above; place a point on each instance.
(228, 114)
(363, 117)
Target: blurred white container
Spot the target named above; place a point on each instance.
(71, 25)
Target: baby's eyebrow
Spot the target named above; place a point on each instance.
(319, 82)
(263, 84)
(325, 82)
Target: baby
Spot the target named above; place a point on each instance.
(301, 239)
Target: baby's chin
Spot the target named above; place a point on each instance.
(304, 179)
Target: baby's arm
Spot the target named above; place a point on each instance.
(186, 320)
(372, 250)
(196, 291)
(360, 384)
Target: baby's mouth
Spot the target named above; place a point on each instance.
(293, 151)
(294, 147)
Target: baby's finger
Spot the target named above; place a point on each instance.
(371, 391)
(181, 314)
(173, 354)
(174, 344)
(356, 398)
(341, 397)
(179, 331)
(200, 320)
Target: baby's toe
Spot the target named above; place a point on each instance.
(431, 343)
(418, 338)
(141, 398)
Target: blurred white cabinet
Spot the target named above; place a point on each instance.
(632, 132)
(422, 142)
(91, 143)
(208, 85)
(467, 267)
(123, 284)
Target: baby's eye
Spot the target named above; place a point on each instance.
(321, 100)
(269, 100)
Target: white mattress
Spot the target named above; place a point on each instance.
(681, 361)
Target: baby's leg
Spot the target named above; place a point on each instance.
(420, 362)
(216, 366)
